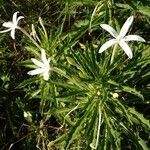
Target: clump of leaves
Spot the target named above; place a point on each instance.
(87, 102)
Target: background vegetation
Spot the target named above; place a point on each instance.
(76, 108)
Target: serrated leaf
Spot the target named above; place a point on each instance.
(81, 23)
(143, 144)
(139, 117)
(123, 109)
(71, 61)
(27, 82)
(126, 6)
(127, 89)
(78, 125)
(145, 10)
(65, 85)
(33, 50)
(34, 93)
(132, 91)
(60, 72)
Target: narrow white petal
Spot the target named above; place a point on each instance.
(107, 45)
(46, 75)
(43, 56)
(8, 24)
(133, 38)
(12, 33)
(126, 48)
(19, 18)
(36, 71)
(5, 31)
(126, 27)
(109, 29)
(38, 63)
(14, 20)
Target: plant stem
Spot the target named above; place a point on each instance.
(100, 121)
(99, 125)
(113, 53)
(34, 42)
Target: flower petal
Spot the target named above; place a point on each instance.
(133, 38)
(107, 45)
(5, 31)
(109, 29)
(43, 56)
(37, 63)
(19, 18)
(126, 48)
(36, 71)
(14, 20)
(46, 75)
(126, 27)
(12, 33)
(8, 24)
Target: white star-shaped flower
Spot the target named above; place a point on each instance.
(12, 25)
(42, 67)
(120, 38)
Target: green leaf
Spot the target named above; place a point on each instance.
(60, 72)
(127, 89)
(34, 93)
(78, 125)
(132, 91)
(72, 62)
(27, 82)
(33, 50)
(139, 117)
(143, 144)
(81, 23)
(125, 6)
(123, 109)
(65, 85)
(145, 10)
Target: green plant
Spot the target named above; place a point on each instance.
(86, 102)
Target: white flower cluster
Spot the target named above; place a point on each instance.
(44, 66)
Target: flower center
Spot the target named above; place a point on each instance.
(118, 38)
